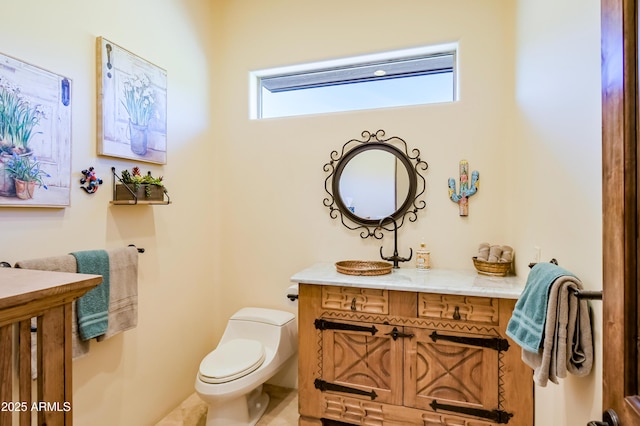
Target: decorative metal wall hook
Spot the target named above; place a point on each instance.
(91, 181)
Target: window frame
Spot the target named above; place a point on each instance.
(255, 77)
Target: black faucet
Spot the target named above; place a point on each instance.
(395, 258)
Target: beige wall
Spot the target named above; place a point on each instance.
(557, 168)
(248, 212)
(136, 377)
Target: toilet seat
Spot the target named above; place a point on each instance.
(232, 360)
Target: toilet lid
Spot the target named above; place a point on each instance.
(232, 360)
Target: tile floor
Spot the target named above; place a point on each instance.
(282, 410)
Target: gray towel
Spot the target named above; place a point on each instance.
(507, 254)
(483, 252)
(495, 252)
(568, 340)
(123, 294)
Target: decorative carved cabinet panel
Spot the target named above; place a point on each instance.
(363, 361)
(463, 374)
(382, 357)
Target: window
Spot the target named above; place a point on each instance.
(400, 78)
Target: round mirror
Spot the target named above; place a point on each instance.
(372, 182)
(374, 179)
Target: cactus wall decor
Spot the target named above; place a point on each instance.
(467, 189)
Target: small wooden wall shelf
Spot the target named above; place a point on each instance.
(125, 195)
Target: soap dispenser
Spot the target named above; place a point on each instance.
(423, 257)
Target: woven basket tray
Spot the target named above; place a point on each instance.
(497, 269)
(363, 267)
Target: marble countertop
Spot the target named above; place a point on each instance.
(442, 281)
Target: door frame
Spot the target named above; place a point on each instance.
(620, 208)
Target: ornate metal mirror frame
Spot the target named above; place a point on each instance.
(409, 207)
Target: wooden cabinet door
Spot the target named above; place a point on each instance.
(365, 361)
(452, 372)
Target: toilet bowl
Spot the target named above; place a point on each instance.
(255, 345)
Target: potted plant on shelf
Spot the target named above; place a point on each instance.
(136, 186)
(26, 172)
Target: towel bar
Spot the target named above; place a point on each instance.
(580, 294)
(140, 250)
(8, 265)
(590, 295)
(554, 261)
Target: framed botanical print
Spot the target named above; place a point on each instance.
(132, 105)
(35, 136)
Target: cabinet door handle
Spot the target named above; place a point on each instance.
(494, 343)
(395, 334)
(322, 324)
(323, 386)
(456, 313)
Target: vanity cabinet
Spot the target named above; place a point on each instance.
(383, 357)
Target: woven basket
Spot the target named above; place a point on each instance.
(363, 267)
(496, 269)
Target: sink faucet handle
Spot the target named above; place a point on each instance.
(395, 258)
(405, 259)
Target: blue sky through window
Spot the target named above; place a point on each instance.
(370, 94)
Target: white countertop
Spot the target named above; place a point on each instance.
(442, 281)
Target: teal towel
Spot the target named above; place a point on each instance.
(92, 309)
(529, 315)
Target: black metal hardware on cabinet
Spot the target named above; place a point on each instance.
(327, 386)
(322, 324)
(609, 418)
(496, 416)
(494, 343)
(456, 313)
(395, 334)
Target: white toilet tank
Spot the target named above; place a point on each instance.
(263, 315)
(273, 328)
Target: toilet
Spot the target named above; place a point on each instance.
(255, 345)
